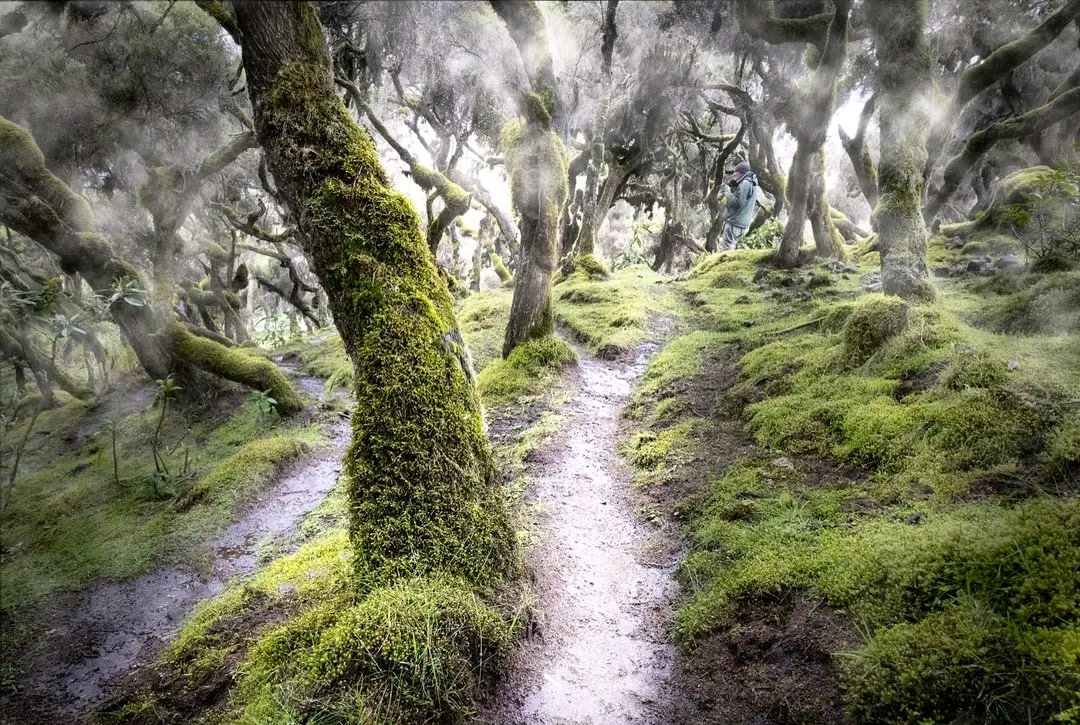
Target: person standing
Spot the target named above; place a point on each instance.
(740, 204)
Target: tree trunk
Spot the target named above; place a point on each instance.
(421, 480)
(536, 160)
(537, 170)
(787, 256)
(857, 151)
(904, 70)
(827, 239)
(586, 238)
(811, 131)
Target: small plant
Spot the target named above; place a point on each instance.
(1047, 221)
(274, 329)
(264, 406)
(160, 481)
(635, 252)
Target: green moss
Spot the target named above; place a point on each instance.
(403, 653)
(240, 367)
(420, 475)
(975, 370)
(247, 469)
(609, 316)
(483, 318)
(652, 450)
(589, 266)
(70, 523)
(874, 320)
(528, 370)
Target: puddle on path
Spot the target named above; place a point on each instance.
(103, 632)
(601, 654)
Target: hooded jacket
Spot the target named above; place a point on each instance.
(740, 203)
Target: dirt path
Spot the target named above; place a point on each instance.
(101, 633)
(600, 655)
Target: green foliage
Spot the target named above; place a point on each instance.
(264, 407)
(1045, 218)
(767, 236)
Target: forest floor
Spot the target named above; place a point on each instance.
(602, 578)
(92, 639)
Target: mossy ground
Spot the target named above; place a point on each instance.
(77, 516)
(609, 314)
(297, 641)
(908, 472)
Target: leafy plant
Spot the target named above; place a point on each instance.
(767, 236)
(264, 405)
(127, 290)
(1047, 221)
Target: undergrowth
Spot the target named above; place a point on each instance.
(950, 538)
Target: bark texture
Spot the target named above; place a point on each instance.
(904, 68)
(421, 479)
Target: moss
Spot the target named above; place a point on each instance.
(421, 481)
(873, 321)
(527, 371)
(404, 653)
(240, 367)
(1046, 304)
(589, 266)
(649, 450)
(975, 370)
(483, 318)
(236, 476)
(1061, 456)
(610, 316)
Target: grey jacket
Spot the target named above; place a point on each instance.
(741, 204)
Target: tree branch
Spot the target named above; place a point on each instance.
(1033, 121)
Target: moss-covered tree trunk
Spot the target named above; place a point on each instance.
(536, 160)
(421, 482)
(810, 131)
(827, 240)
(904, 79)
(586, 238)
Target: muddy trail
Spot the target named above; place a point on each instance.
(599, 653)
(96, 637)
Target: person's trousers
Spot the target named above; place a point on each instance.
(732, 234)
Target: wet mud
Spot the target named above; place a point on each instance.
(599, 654)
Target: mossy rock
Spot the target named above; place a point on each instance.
(588, 267)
